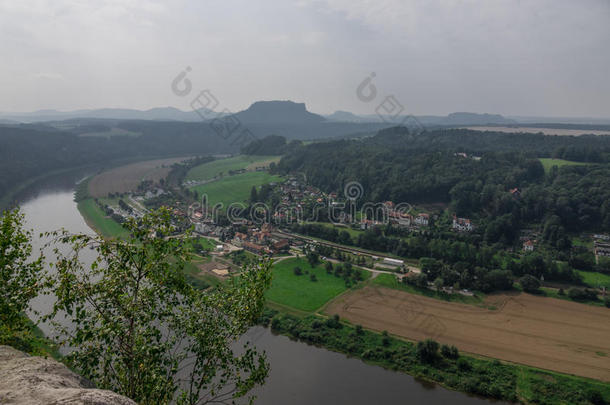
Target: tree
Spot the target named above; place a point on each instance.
(21, 279)
(499, 280)
(579, 294)
(329, 267)
(530, 284)
(297, 271)
(438, 284)
(253, 195)
(421, 280)
(449, 352)
(312, 277)
(385, 338)
(427, 351)
(138, 328)
(463, 364)
(313, 258)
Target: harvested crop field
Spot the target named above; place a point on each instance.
(542, 332)
(126, 178)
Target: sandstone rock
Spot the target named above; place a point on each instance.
(33, 380)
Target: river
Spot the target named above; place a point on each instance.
(300, 374)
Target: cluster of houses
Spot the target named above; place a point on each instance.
(297, 196)
(601, 248)
(466, 156)
(261, 240)
(294, 193)
(462, 224)
(397, 217)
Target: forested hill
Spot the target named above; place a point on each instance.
(472, 172)
(584, 148)
(30, 150)
(27, 152)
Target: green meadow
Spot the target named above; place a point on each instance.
(594, 279)
(235, 188)
(219, 167)
(97, 219)
(299, 291)
(548, 163)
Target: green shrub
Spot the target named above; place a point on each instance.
(449, 352)
(579, 294)
(596, 398)
(530, 283)
(427, 351)
(463, 364)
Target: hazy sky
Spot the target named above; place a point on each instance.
(536, 57)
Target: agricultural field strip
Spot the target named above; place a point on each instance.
(556, 335)
(126, 178)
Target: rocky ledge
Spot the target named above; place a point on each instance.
(32, 380)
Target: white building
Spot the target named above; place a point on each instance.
(528, 246)
(422, 219)
(393, 262)
(462, 224)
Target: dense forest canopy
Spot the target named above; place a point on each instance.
(471, 171)
(30, 151)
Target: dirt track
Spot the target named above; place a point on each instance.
(542, 332)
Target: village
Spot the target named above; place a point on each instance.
(299, 202)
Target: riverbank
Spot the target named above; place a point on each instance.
(478, 376)
(467, 373)
(9, 198)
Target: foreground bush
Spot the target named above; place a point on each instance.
(139, 329)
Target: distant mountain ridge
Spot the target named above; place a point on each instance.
(281, 112)
(153, 114)
(346, 116)
(453, 119)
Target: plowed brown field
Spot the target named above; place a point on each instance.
(541, 332)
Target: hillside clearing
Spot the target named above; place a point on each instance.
(234, 189)
(222, 167)
(548, 163)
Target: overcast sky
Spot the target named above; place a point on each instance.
(537, 57)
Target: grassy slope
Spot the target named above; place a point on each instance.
(234, 188)
(210, 170)
(197, 278)
(594, 279)
(389, 281)
(548, 163)
(97, 219)
(299, 291)
(354, 233)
